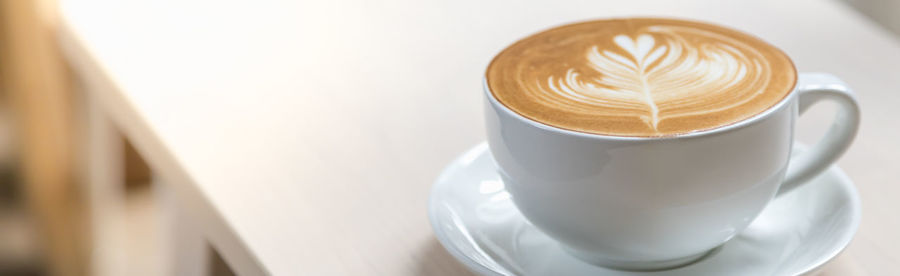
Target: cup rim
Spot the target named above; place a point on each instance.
(694, 134)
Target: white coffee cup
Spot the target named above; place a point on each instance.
(646, 203)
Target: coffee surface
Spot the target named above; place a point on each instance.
(640, 77)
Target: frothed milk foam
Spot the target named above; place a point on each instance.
(640, 77)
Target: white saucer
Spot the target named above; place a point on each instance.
(475, 220)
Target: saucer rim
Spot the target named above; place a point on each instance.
(849, 187)
(432, 213)
(846, 184)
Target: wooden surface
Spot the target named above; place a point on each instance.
(304, 137)
(35, 78)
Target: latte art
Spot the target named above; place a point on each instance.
(640, 77)
(657, 81)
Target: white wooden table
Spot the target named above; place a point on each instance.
(302, 138)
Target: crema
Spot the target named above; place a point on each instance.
(640, 77)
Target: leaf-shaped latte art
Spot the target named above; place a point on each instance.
(654, 79)
(648, 79)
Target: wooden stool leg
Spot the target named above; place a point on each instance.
(106, 193)
(34, 76)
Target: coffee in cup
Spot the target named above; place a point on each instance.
(640, 77)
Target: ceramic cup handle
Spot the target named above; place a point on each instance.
(812, 88)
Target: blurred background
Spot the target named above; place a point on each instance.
(43, 218)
